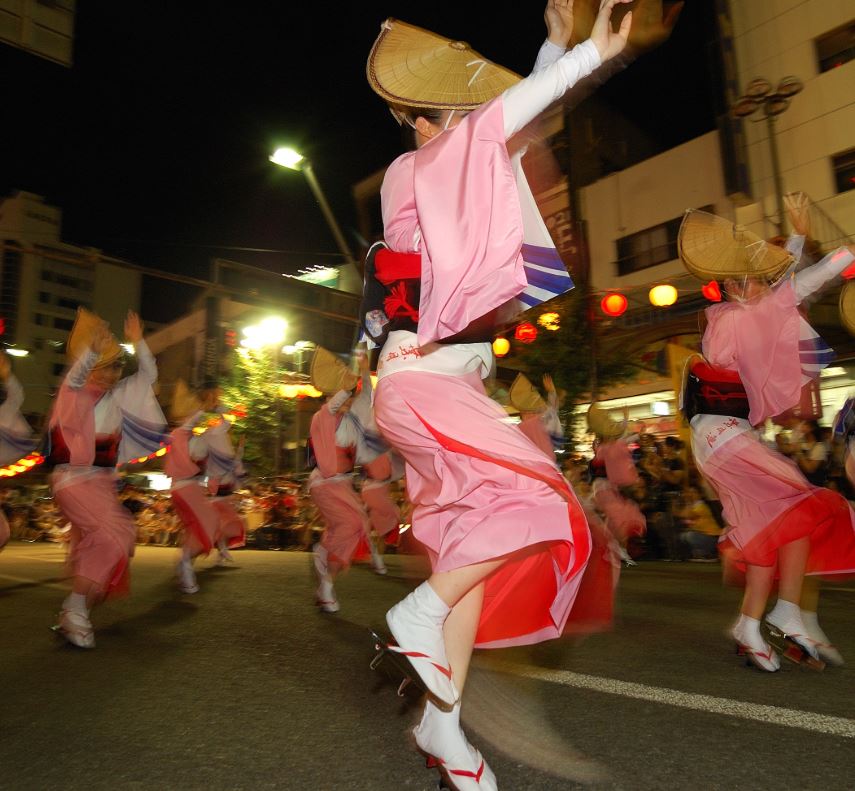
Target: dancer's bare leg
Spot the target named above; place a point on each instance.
(86, 587)
(809, 600)
(792, 561)
(459, 633)
(758, 584)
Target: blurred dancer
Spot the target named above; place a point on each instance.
(98, 422)
(224, 469)
(334, 438)
(377, 468)
(759, 353)
(507, 539)
(16, 439)
(539, 419)
(614, 472)
(185, 465)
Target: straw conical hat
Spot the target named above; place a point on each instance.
(329, 374)
(847, 306)
(713, 247)
(603, 426)
(524, 396)
(81, 336)
(416, 68)
(184, 402)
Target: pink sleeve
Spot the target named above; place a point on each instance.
(471, 224)
(322, 432)
(397, 197)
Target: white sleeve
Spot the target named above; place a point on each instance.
(794, 245)
(14, 396)
(548, 54)
(80, 370)
(813, 278)
(146, 364)
(522, 102)
(337, 401)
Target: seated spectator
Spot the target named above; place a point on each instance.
(703, 529)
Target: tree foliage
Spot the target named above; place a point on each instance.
(254, 386)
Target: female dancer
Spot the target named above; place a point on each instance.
(759, 353)
(506, 536)
(224, 469)
(97, 423)
(615, 471)
(539, 419)
(185, 465)
(15, 433)
(375, 462)
(334, 437)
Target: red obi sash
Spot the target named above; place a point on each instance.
(106, 449)
(714, 391)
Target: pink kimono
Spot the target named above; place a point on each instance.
(184, 464)
(481, 490)
(766, 500)
(330, 486)
(92, 431)
(623, 516)
(16, 439)
(224, 469)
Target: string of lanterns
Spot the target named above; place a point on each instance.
(613, 304)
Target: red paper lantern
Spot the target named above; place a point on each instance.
(711, 291)
(525, 332)
(614, 304)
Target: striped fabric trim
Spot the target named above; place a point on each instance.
(18, 443)
(545, 273)
(147, 435)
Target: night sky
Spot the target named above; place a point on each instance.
(155, 143)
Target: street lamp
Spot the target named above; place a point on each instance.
(293, 160)
(270, 332)
(760, 96)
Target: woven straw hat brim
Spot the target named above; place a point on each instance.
(847, 306)
(184, 402)
(81, 336)
(713, 247)
(524, 396)
(413, 67)
(329, 374)
(601, 424)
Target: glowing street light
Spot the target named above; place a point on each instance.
(294, 160)
(17, 352)
(287, 158)
(269, 332)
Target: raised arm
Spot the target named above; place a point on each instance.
(14, 391)
(531, 96)
(814, 278)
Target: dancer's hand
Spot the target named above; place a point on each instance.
(548, 384)
(607, 42)
(559, 22)
(101, 338)
(798, 212)
(362, 363)
(651, 25)
(133, 328)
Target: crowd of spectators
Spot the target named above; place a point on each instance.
(684, 515)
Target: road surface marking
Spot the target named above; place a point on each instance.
(771, 715)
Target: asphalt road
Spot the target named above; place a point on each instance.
(245, 686)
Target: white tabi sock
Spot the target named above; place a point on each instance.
(747, 630)
(76, 602)
(784, 612)
(429, 602)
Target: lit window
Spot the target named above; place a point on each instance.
(844, 170)
(836, 47)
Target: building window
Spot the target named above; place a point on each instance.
(58, 369)
(63, 324)
(844, 170)
(649, 247)
(836, 47)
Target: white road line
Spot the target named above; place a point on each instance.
(34, 582)
(771, 715)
